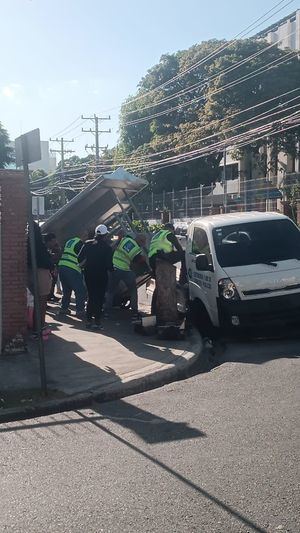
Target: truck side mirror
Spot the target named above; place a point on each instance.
(202, 262)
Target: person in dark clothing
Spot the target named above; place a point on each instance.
(55, 252)
(44, 266)
(96, 259)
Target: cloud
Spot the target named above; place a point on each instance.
(74, 82)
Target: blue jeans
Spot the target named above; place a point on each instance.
(72, 281)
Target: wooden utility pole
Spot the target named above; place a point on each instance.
(96, 132)
(62, 151)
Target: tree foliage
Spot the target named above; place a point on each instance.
(203, 108)
(6, 151)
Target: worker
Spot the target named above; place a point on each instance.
(95, 258)
(128, 259)
(165, 246)
(71, 278)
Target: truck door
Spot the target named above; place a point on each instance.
(201, 282)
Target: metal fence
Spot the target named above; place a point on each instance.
(232, 196)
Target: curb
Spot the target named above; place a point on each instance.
(115, 391)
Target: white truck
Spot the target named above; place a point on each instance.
(244, 269)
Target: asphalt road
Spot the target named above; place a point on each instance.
(215, 453)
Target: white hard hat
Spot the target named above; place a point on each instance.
(101, 230)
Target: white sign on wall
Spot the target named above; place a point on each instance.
(38, 205)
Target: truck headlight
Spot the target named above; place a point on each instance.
(228, 290)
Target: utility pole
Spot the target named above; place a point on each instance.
(96, 132)
(62, 153)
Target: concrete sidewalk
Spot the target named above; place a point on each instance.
(108, 364)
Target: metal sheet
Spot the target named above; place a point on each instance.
(96, 204)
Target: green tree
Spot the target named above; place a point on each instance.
(6, 151)
(203, 108)
(37, 174)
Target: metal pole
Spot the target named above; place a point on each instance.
(173, 204)
(96, 140)
(1, 310)
(224, 181)
(62, 164)
(201, 200)
(152, 204)
(186, 202)
(37, 306)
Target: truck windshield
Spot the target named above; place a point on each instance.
(251, 243)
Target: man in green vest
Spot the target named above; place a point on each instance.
(128, 258)
(71, 278)
(165, 246)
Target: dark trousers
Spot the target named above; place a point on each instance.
(96, 293)
(173, 258)
(54, 280)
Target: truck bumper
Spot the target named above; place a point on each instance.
(280, 309)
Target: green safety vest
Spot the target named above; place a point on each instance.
(159, 242)
(69, 257)
(125, 252)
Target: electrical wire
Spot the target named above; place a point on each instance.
(204, 82)
(236, 140)
(258, 22)
(119, 161)
(260, 70)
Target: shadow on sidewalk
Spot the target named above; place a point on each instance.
(120, 329)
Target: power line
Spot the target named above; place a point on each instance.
(258, 22)
(204, 83)
(119, 161)
(268, 129)
(260, 70)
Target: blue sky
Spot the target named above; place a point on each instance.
(65, 58)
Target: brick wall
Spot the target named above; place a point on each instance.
(13, 253)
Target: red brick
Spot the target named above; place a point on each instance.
(14, 270)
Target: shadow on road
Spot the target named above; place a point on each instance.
(255, 352)
(219, 503)
(151, 429)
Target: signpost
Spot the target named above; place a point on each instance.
(28, 150)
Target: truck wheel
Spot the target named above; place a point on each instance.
(201, 319)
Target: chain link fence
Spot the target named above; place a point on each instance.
(232, 196)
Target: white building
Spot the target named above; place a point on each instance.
(286, 30)
(246, 174)
(48, 161)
